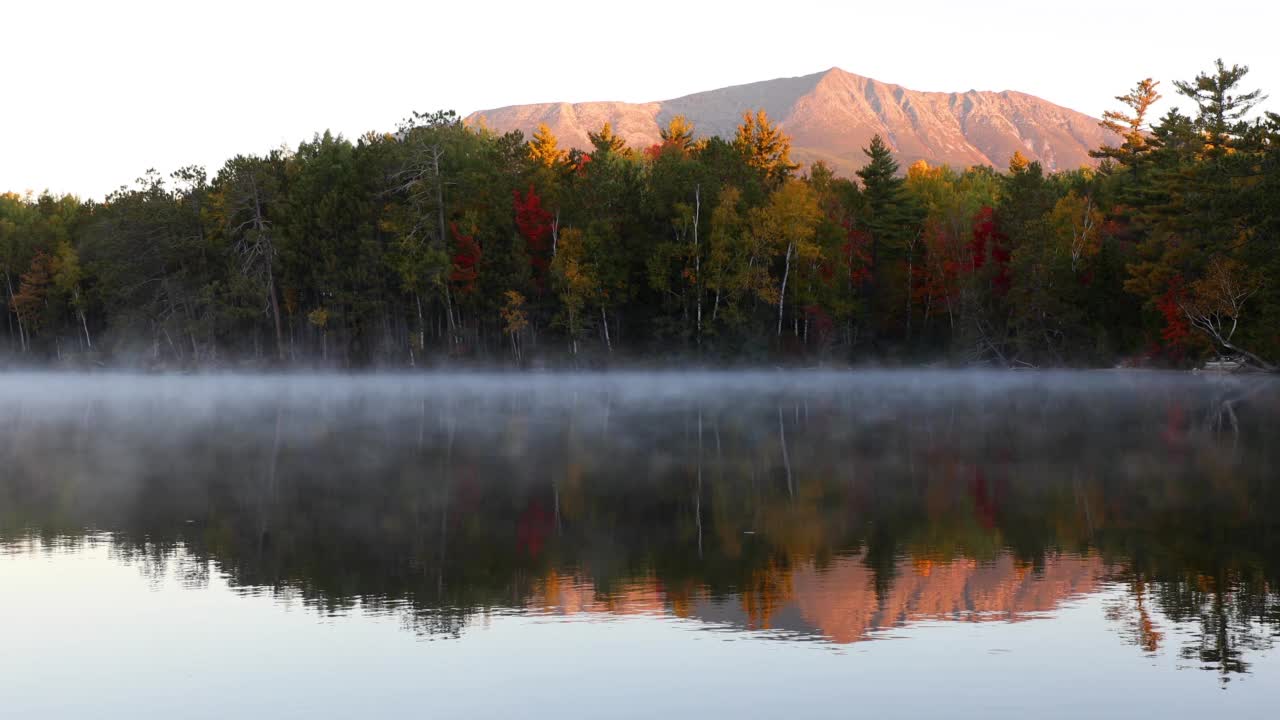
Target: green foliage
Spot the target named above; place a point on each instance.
(443, 240)
(1221, 106)
(605, 141)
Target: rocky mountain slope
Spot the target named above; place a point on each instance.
(832, 115)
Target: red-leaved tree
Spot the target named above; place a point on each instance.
(466, 261)
(1176, 330)
(990, 245)
(857, 254)
(534, 224)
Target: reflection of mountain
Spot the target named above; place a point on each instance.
(839, 602)
(843, 604)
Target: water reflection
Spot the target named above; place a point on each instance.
(839, 603)
(822, 506)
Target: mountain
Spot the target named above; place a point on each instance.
(832, 115)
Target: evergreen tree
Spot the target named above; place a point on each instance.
(892, 219)
(605, 141)
(1220, 104)
(1131, 125)
(678, 132)
(765, 147)
(544, 148)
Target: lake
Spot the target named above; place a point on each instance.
(771, 544)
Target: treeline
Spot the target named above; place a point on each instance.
(443, 241)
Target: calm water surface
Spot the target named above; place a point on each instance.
(879, 544)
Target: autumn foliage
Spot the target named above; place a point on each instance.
(449, 238)
(30, 298)
(856, 253)
(989, 245)
(466, 260)
(534, 225)
(1176, 329)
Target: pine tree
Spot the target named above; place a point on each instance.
(1221, 106)
(1129, 126)
(892, 220)
(891, 211)
(544, 149)
(765, 147)
(678, 132)
(1018, 163)
(605, 141)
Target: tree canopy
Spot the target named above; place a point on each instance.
(443, 241)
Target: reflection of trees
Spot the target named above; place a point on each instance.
(456, 505)
(1133, 615)
(1235, 614)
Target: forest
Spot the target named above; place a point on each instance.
(444, 243)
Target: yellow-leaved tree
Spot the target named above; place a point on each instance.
(765, 147)
(1076, 224)
(788, 223)
(544, 148)
(678, 132)
(575, 281)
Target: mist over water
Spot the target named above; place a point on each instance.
(841, 528)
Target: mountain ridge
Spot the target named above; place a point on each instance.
(833, 114)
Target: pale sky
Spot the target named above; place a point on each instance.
(95, 93)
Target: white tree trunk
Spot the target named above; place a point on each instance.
(604, 319)
(697, 259)
(782, 294)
